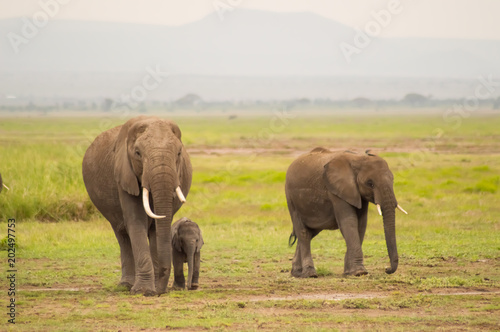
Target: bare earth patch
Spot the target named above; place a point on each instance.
(348, 296)
(409, 146)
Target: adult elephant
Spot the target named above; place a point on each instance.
(331, 190)
(143, 155)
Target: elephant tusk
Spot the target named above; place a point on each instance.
(403, 210)
(5, 186)
(147, 208)
(379, 209)
(179, 193)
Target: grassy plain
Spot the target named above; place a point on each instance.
(446, 177)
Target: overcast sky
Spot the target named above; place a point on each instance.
(471, 19)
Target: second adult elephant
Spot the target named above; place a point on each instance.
(332, 190)
(129, 171)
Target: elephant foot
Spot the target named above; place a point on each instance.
(360, 271)
(309, 272)
(161, 286)
(177, 286)
(125, 284)
(296, 272)
(193, 287)
(146, 291)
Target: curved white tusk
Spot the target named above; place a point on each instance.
(5, 186)
(379, 209)
(147, 208)
(403, 210)
(179, 193)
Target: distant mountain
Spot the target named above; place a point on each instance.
(246, 43)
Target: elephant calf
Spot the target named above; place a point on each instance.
(332, 190)
(186, 245)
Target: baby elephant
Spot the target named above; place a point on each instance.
(186, 245)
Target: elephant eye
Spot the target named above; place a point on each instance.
(370, 184)
(137, 153)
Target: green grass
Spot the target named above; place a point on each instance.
(68, 257)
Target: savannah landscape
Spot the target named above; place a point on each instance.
(446, 176)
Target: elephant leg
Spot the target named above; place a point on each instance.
(136, 223)
(305, 236)
(196, 272)
(302, 263)
(297, 263)
(153, 250)
(347, 219)
(353, 260)
(178, 259)
(297, 258)
(144, 270)
(127, 260)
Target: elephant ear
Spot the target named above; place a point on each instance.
(341, 180)
(176, 241)
(124, 174)
(176, 130)
(200, 243)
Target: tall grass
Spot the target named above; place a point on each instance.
(40, 159)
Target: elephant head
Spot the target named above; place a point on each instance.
(150, 158)
(186, 243)
(355, 178)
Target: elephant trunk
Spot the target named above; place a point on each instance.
(162, 189)
(190, 260)
(389, 215)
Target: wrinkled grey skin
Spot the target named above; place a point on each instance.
(145, 152)
(186, 245)
(331, 190)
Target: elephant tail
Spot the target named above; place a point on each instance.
(292, 239)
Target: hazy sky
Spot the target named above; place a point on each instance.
(422, 18)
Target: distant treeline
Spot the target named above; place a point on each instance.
(193, 101)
